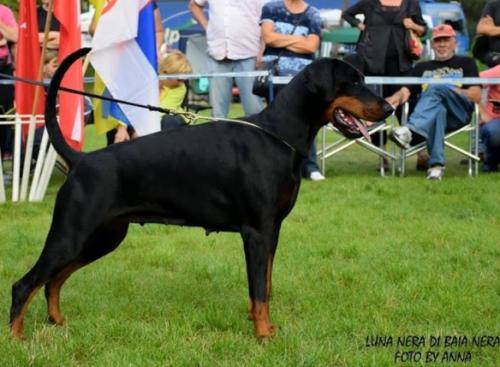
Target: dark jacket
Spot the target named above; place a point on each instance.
(374, 41)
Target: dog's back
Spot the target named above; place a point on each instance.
(209, 175)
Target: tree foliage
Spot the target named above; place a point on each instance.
(13, 4)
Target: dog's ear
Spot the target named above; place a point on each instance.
(324, 77)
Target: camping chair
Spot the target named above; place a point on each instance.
(472, 154)
(195, 98)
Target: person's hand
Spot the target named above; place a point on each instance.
(409, 23)
(258, 62)
(398, 98)
(361, 27)
(121, 134)
(487, 20)
(393, 100)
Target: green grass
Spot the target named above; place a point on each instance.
(360, 255)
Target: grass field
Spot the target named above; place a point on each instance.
(360, 256)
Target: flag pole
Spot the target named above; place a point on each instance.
(32, 125)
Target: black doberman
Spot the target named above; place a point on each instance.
(222, 176)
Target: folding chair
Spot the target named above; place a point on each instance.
(472, 155)
(15, 120)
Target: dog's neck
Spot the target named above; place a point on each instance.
(302, 120)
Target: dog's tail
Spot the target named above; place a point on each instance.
(70, 155)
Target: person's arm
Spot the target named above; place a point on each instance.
(121, 134)
(472, 92)
(278, 40)
(349, 15)
(400, 97)
(160, 33)
(414, 20)
(9, 29)
(198, 14)
(417, 28)
(305, 45)
(52, 39)
(486, 26)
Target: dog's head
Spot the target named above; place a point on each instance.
(349, 102)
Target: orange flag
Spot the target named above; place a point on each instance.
(71, 120)
(28, 59)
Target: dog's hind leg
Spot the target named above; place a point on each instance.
(103, 241)
(64, 252)
(259, 252)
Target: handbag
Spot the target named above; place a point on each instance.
(261, 84)
(413, 45)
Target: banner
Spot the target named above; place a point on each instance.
(28, 60)
(70, 105)
(124, 56)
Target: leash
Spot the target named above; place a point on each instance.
(189, 116)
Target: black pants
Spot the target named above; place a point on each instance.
(391, 70)
(6, 103)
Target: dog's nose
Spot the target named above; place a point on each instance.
(388, 109)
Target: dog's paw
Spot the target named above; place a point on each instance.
(264, 330)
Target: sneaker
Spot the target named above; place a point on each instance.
(435, 173)
(316, 176)
(401, 136)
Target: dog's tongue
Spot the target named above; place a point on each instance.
(362, 129)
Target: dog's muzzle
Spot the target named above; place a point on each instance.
(349, 125)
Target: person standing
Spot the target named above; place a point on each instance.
(234, 45)
(9, 33)
(381, 50)
(291, 32)
(54, 34)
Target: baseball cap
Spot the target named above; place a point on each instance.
(443, 30)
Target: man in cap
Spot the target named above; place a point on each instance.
(439, 107)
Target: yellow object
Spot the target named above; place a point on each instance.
(171, 98)
(101, 124)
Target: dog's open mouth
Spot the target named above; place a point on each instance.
(349, 125)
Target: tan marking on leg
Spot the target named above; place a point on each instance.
(17, 325)
(53, 300)
(263, 326)
(251, 310)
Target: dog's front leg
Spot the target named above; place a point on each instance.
(259, 250)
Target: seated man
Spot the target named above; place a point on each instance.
(439, 107)
(490, 122)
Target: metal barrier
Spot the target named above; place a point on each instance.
(276, 80)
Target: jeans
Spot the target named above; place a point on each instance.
(439, 109)
(490, 135)
(220, 88)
